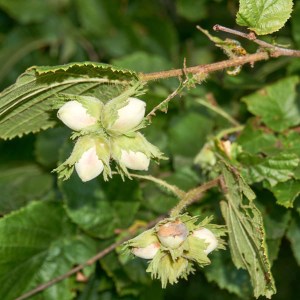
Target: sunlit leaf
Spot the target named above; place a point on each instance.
(264, 16)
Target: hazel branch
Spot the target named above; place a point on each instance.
(269, 52)
(275, 50)
(206, 69)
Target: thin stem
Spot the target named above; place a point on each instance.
(206, 69)
(193, 195)
(168, 99)
(252, 37)
(172, 188)
(72, 271)
(219, 111)
(273, 51)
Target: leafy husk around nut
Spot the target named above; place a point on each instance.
(169, 264)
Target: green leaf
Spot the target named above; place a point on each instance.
(255, 140)
(274, 169)
(26, 106)
(289, 142)
(293, 235)
(39, 243)
(246, 233)
(264, 16)
(20, 184)
(276, 104)
(227, 276)
(286, 192)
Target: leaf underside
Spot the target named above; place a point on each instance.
(246, 233)
(26, 106)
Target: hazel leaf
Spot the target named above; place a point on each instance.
(286, 192)
(27, 105)
(276, 104)
(264, 16)
(274, 169)
(39, 243)
(246, 234)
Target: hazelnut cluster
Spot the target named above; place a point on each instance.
(105, 132)
(175, 245)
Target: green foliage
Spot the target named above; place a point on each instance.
(274, 169)
(190, 130)
(276, 104)
(227, 276)
(35, 248)
(17, 190)
(271, 158)
(264, 16)
(48, 144)
(251, 121)
(246, 233)
(286, 192)
(101, 207)
(26, 106)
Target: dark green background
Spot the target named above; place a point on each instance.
(144, 36)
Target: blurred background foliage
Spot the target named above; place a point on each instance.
(144, 36)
